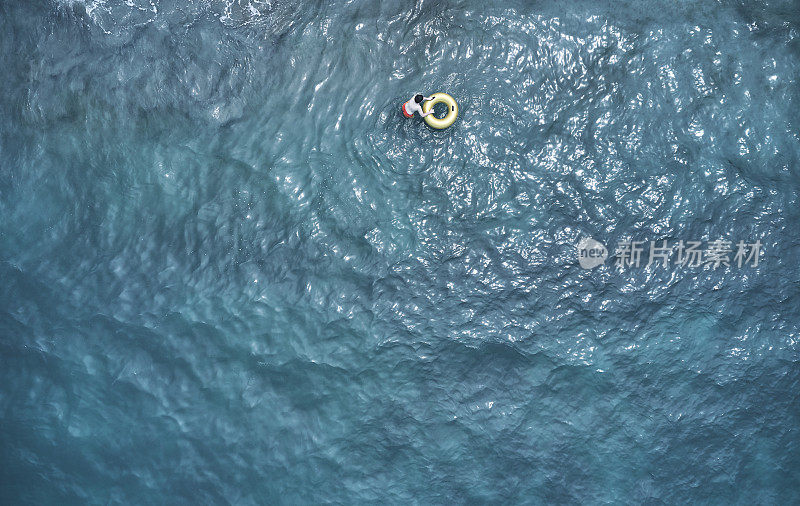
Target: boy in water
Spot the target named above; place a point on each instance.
(415, 105)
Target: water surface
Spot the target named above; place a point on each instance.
(234, 273)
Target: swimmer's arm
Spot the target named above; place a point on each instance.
(422, 114)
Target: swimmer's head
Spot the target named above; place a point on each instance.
(418, 98)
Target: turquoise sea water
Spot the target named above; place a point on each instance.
(232, 272)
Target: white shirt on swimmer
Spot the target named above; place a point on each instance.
(412, 107)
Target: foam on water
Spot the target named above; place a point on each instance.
(233, 272)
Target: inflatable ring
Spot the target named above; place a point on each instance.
(452, 113)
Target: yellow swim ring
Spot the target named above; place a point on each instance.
(450, 117)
